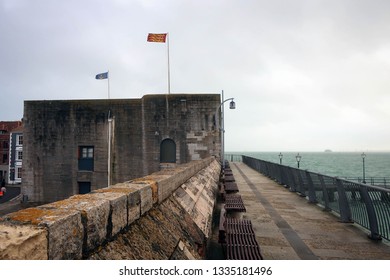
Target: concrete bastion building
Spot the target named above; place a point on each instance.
(77, 146)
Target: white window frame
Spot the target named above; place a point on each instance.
(19, 172)
(19, 140)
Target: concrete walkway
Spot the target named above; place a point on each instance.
(288, 227)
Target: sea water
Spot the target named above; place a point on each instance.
(340, 164)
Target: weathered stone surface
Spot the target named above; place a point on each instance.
(197, 196)
(94, 213)
(177, 228)
(145, 193)
(64, 227)
(182, 252)
(165, 185)
(156, 235)
(117, 198)
(133, 201)
(22, 242)
(165, 182)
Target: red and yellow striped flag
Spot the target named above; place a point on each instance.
(157, 38)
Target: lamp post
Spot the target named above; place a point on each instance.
(298, 157)
(280, 158)
(364, 168)
(232, 105)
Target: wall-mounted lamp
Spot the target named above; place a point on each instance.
(232, 105)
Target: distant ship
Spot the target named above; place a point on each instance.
(328, 151)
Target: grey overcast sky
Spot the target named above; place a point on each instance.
(306, 75)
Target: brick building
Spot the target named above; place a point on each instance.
(16, 156)
(75, 146)
(5, 129)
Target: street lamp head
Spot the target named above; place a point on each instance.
(298, 157)
(363, 155)
(280, 155)
(232, 105)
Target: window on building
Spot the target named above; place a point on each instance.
(20, 140)
(19, 173)
(20, 155)
(5, 158)
(86, 157)
(12, 174)
(5, 145)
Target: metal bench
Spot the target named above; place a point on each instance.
(241, 241)
(229, 178)
(228, 171)
(230, 187)
(233, 202)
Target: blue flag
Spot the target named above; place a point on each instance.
(102, 76)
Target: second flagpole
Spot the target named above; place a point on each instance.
(108, 82)
(169, 75)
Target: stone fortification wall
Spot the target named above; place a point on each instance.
(165, 215)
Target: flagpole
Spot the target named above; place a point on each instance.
(162, 38)
(109, 149)
(109, 136)
(108, 82)
(169, 75)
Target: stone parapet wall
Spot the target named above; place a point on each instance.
(76, 227)
(198, 194)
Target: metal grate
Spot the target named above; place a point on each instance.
(233, 202)
(241, 241)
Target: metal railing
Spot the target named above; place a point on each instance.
(366, 205)
(234, 158)
(373, 181)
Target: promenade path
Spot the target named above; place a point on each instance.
(288, 227)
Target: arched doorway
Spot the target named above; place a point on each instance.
(168, 151)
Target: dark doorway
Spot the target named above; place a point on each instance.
(168, 151)
(84, 187)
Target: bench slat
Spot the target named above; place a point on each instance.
(233, 202)
(241, 241)
(231, 187)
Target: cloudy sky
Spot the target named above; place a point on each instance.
(306, 75)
